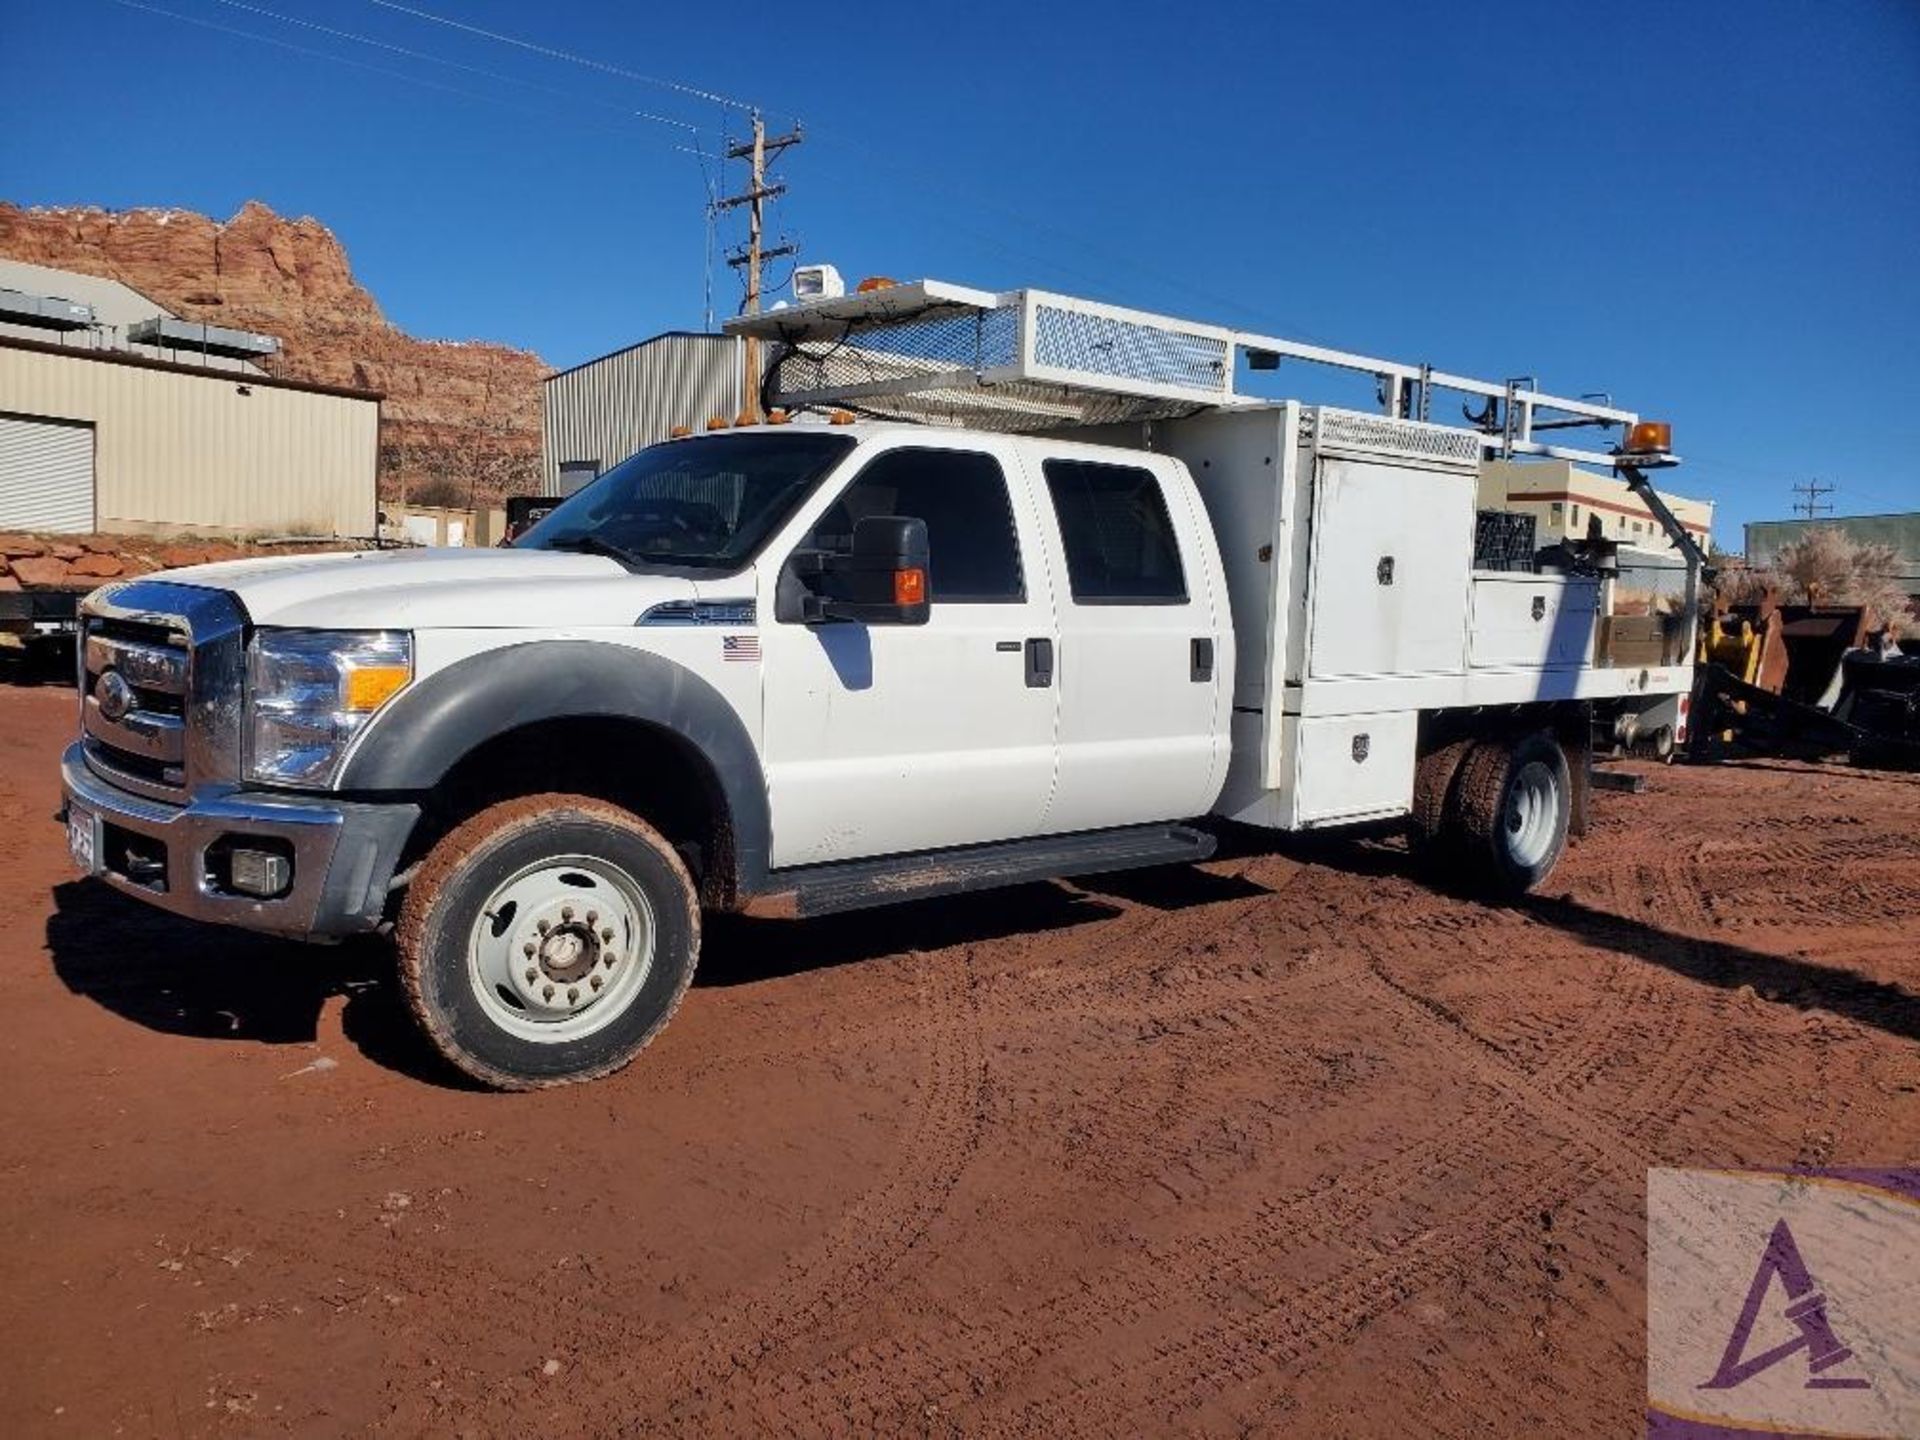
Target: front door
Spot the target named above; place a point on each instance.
(889, 739)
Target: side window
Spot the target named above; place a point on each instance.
(962, 495)
(1119, 539)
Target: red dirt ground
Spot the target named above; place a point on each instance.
(1286, 1143)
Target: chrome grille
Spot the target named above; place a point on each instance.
(133, 706)
(160, 682)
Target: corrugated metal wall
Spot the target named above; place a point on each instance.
(178, 450)
(609, 408)
(46, 476)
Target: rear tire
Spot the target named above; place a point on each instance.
(547, 940)
(1512, 805)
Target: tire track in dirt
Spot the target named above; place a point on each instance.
(1293, 1325)
(972, 1360)
(874, 1235)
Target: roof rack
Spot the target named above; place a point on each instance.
(1030, 360)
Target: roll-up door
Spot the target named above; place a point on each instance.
(46, 475)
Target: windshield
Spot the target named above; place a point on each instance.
(707, 503)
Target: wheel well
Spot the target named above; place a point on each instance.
(651, 771)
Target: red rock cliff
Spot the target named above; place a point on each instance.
(457, 416)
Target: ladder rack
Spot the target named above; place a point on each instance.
(1029, 360)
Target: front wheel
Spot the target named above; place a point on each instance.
(1512, 804)
(547, 940)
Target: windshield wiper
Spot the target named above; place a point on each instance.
(589, 544)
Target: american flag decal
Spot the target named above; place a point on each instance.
(740, 647)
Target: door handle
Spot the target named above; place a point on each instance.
(1039, 664)
(1201, 669)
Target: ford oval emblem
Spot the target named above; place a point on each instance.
(114, 694)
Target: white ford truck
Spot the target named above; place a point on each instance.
(791, 668)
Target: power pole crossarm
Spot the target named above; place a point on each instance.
(751, 197)
(1811, 507)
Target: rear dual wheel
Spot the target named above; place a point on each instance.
(547, 940)
(1507, 812)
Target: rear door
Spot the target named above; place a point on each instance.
(1141, 651)
(888, 739)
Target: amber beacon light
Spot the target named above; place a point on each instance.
(1653, 437)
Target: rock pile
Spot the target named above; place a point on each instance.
(81, 562)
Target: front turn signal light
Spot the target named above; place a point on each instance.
(909, 587)
(369, 687)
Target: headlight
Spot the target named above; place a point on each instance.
(309, 692)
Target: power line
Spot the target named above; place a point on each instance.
(359, 39)
(554, 53)
(914, 176)
(391, 74)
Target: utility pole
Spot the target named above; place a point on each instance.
(1811, 507)
(754, 255)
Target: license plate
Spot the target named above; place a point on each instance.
(80, 835)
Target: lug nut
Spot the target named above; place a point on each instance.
(611, 957)
(573, 994)
(607, 934)
(528, 949)
(532, 974)
(545, 926)
(566, 912)
(593, 917)
(547, 993)
(598, 982)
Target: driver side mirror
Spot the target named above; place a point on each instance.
(883, 581)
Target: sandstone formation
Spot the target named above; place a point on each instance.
(460, 418)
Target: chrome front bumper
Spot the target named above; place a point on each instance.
(344, 852)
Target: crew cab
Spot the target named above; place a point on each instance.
(791, 668)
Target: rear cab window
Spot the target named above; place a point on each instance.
(1119, 539)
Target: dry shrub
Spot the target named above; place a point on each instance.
(1828, 567)
(1742, 585)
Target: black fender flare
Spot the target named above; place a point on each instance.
(434, 724)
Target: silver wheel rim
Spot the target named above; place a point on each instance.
(1533, 814)
(561, 949)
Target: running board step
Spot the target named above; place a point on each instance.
(859, 884)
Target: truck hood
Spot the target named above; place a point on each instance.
(429, 589)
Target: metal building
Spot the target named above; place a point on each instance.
(115, 415)
(598, 413)
(102, 440)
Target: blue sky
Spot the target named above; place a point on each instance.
(1710, 209)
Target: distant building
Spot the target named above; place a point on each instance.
(1564, 500)
(600, 412)
(1767, 538)
(116, 415)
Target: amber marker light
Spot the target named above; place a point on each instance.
(909, 587)
(371, 686)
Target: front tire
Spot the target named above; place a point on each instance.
(547, 940)
(1512, 805)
